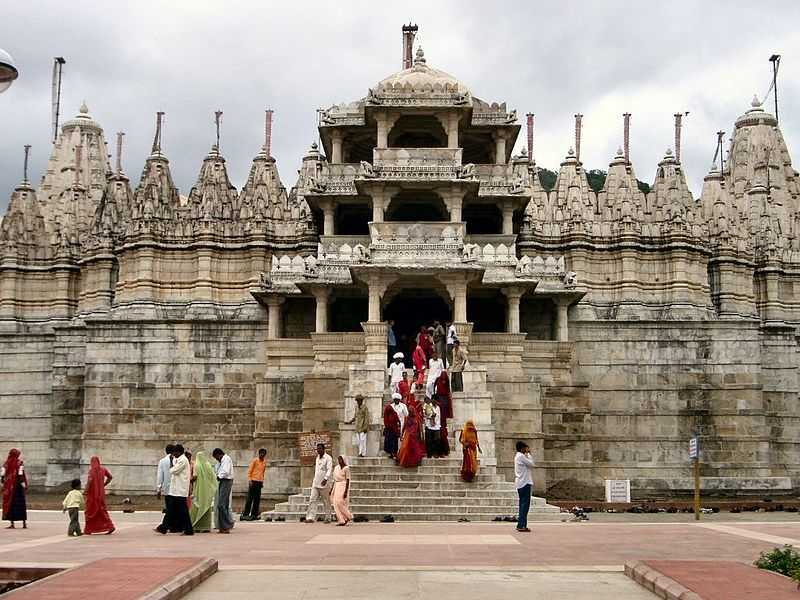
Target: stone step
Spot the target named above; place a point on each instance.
(433, 502)
(420, 477)
(454, 493)
(414, 500)
(428, 470)
(437, 515)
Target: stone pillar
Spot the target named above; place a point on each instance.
(455, 205)
(562, 319)
(336, 147)
(374, 312)
(508, 218)
(500, 148)
(328, 211)
(513, 296)
(322, 295)
(459, 293)
(274, 317)
(375, 340)
(452, 130)
(383, 130)
(378, 206)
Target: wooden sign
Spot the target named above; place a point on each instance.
(307, 443)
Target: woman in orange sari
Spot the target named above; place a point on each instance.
(469, 442)
(412, 448)
(96, 513)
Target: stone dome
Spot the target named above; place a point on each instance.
(83, 120)
(421, 78)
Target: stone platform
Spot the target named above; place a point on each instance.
(433, 491)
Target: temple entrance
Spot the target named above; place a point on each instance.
(411, 309)
(417, 205)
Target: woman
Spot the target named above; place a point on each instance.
(15, 486)
(191, 479)
(340, 493)
(425, 342)
(445, 400)
(469, 442)
(391, 430)
(205, 488)
(420, 362)
(412, 448)
(96, 513)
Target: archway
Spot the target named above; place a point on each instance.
(417, 131)
(412, 308)
(417, 205)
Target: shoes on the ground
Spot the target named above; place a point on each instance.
(220, 531)
(523, 530)
(189, 533)
(387, 519)
(463, 520)
(157, 530)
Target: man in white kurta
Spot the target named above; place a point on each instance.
(396, 370)
(435, 368)
(401, 410)
(320, 490)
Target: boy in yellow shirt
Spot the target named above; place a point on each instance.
(73, 503)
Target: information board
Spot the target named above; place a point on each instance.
(307, 444)
(618, 490)
(694, 448)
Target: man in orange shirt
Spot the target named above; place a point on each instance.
(255, 475)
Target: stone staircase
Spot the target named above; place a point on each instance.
(433, 491)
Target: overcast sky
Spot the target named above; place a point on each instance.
(128, 60)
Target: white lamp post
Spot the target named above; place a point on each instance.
(8, 71)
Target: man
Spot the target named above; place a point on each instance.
(435, 368)
(391, 342)
(361, 419)
(433, 429)
(222, 502)
(162, 479)
(400, 408)
(255, 478)
(439, 339)
(177, 516)
(451, 340)
(323, 467)
(396, 370)
(391, 430)
(459, 357)
(523, 479)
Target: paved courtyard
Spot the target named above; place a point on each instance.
(417, 560)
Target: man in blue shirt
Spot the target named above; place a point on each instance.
(391, 343)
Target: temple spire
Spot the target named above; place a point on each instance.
(119, 152)
(678, 126)
(578, 125)
(626, 137)
(25, 165)
(268, 132)
(157, 138)
(530, 136)
(409, 33)
(217, 119)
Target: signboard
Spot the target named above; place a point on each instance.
(694, 447)
(307, 444)
(618, 490)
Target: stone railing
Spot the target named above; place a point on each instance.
(417, 164)
(335, 179)
(335, 351)
(490, 254)
(344, 249)
(500, 180)
(404, 242)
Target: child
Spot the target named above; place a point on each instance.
(73, 504)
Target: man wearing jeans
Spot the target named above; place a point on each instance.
(523, 479)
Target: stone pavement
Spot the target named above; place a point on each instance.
(580, 552)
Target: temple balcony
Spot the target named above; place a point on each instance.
(416, 164)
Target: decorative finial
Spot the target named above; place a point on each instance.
(620, 153)
(84, 110)
(268, 133)
(25, 166)
(420, 57)
(157, 138)
(755, 102)
(217, 117)
(119, 152)
(314, 146)
(668, 152)
(570, 152)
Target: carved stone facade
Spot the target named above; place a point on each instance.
(604, 327)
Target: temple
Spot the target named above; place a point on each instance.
(604, 327)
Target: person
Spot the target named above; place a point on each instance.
(420, 364)
(73, 502)
(468, 437)
(451, 340)
(205, 488)
(444, 399)
(435, 368)
(401, 410)
(433, 429)
(411, 448)
(222, 502)
(391, 428)
(523, 480)
(404, 387)
(96, 514)
(424, 340)
(340, 494)
(15, 486)
(255, 478)
(319, 486)
(191, 479)
(439, 339)
(391, 342)
(177, 516)
(459, 356)
(361, 419)
(163, 477)
(396, 370)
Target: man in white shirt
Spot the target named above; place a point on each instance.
(162, 479)
(177, 517)
(222, 502)
(396, 370)
(435, 368)
(401, 410)
(433, 430)
(319, 487)
(523, 480)
(451, 339)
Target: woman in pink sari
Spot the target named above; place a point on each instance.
(96, 513)
(340, 493)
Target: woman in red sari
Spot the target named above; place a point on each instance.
(445, 399)
(96, 513)
(426, 342)
(412, 448)
(420, 364)
(15, 486)
(469, 442)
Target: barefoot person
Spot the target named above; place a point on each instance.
(361, 420)
(319, 487)
(391, 427)
(15, 486)
(255, 483)
(96, 514)
(72, 504)
(340, 494)
(412, 448)
(177, 516)
(523, 479)
(225, 485)
(205, 488)
(471, 446)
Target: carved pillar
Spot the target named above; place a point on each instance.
(513, 295)
(452, 130)
(328, 211)
(274, 317)
(383, 130)
(455, 203)
(375, 340)
(378, 206)
(500, 147)
(562, 319)
(322, 295)
(374, 312)
(336, 146)
(508, 218)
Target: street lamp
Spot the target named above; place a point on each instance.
(8, 71)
